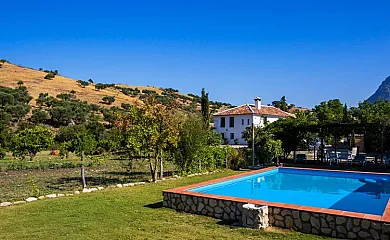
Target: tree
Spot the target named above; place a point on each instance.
(271, 150)
(126, 106)
(90, 81)
(18, 111)
(20, 83)
(205, 105)
(193, 138)
(31, 141)
(65, 96)
(108, 99)
(79, 140)
(50, 76)
(329, 113)
(295, 132)
(149, 133)
(281, 104)
(266, 148)
(40, 116)
(82, 83)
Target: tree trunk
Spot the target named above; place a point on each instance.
(153, 169)
(83, 170)
(161, 167)
(322, 148)
(295, 155)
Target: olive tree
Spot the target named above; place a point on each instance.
(79, 140)
(31, 141)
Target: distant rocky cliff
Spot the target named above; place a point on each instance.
(383, 92)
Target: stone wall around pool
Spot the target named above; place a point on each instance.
(351, 225)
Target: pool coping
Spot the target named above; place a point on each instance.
(385, 217)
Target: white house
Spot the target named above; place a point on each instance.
(232, 122)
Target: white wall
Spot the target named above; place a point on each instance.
(238, 126)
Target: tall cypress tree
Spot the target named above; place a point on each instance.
(205, 107)
(283, 104)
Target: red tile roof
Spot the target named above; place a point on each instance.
(251, 109)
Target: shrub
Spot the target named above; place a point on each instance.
(50, 76)
(108, 99)
(3, 153)
(101, 86)
(95, 107)
(126, 106)
(83, 83)
(3, 61)
(65, 96)
(236, 158)
(149, 92)
(20, 83)
(40, 116)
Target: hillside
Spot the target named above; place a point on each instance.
(383, 92)
(35, 82)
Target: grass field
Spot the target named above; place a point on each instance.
(123, 213)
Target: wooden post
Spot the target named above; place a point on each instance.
(253, 145)
(83, 170)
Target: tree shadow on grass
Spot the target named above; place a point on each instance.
(154, 205)
(228, 223)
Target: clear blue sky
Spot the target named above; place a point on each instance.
(310, 51)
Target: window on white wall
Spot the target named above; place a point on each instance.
(242, 121)
(231, 135)
(222, 122)
(231, 122)
(248, 121)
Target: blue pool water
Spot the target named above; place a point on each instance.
(354, 192)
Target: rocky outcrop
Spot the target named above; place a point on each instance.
(383, 92)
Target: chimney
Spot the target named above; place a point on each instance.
(258, 103)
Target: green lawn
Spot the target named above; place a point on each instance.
(123, 213)
(48, 174)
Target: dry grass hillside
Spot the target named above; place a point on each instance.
(35, 82)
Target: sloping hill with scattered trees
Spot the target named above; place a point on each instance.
(48, 81)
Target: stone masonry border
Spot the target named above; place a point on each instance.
(319, 221)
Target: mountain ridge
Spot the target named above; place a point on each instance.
(382, 93)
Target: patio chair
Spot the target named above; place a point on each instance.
(354, 152)
(332, 157)
(360, 159)
(386, 158)
(301, 158)
(344, 157)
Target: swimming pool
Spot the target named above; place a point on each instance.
(340, 204)
(346, 191)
